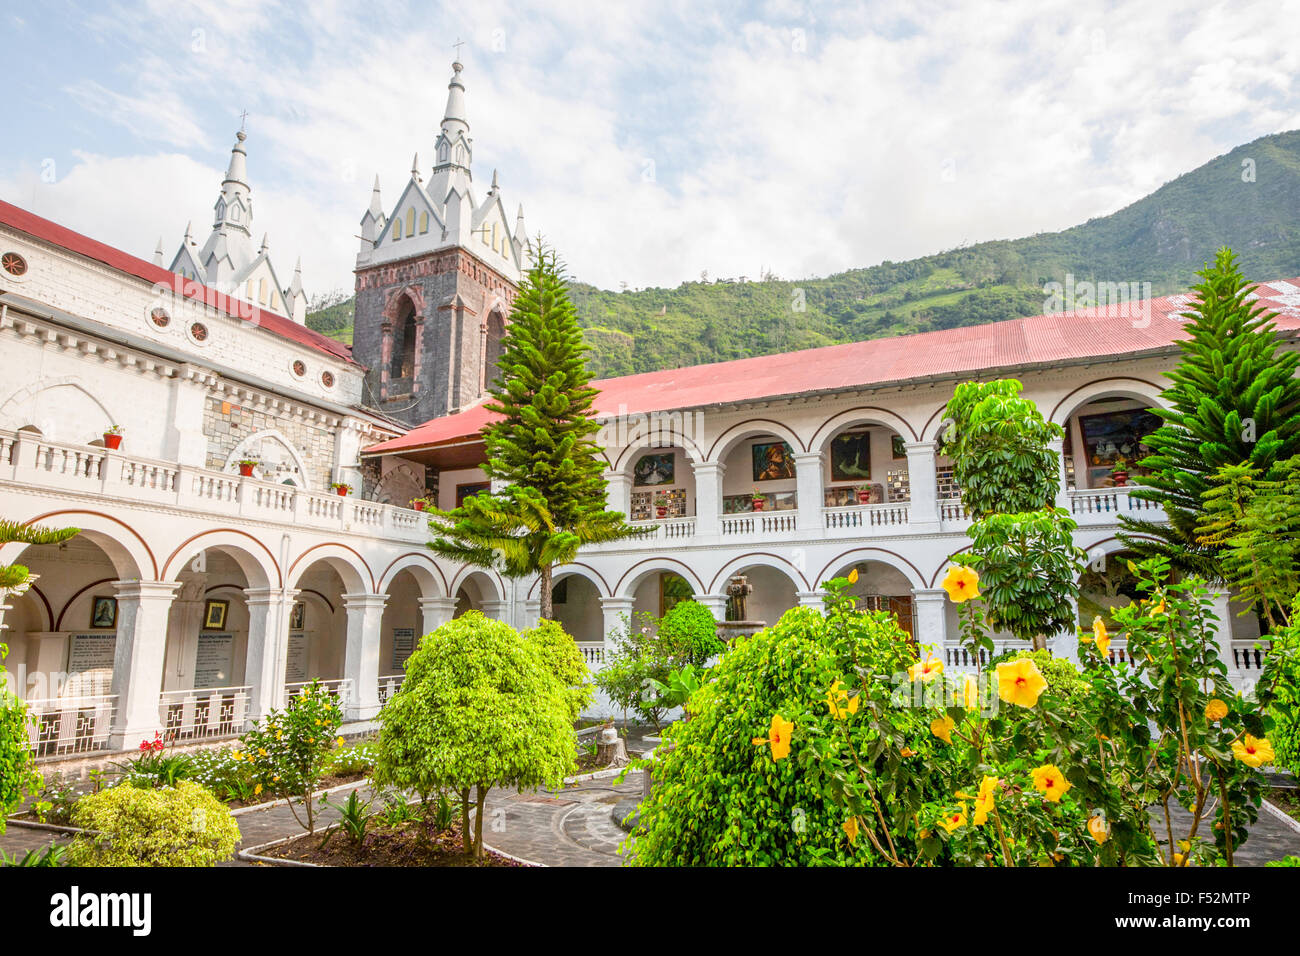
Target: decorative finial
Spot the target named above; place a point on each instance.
(458, 44)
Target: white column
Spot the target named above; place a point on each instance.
(613, 609)
(138, 656)
(436, 612)
(618, 492)
(495, 609)
(810, 494)
(532, 613)
(922, 480)
(1223, 611)
(1066, 644)
(931, 618)
(185, 442)
(716, 603)
(269, 610)
(708, 497)
(361, 658)
(812, 599)
(1062, 491)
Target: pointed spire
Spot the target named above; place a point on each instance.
(295, 286)
(266, 245)
(189, 233)
(455, 111)
(237, 171)
(158, 253)
(495, 188)
(415, 168)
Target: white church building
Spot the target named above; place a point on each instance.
(193, 428)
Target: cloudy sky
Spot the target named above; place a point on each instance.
(649, 141)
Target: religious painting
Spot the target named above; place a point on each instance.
(103, 612)
(851, 457)
(654, 470)
(773, 461)
(1110, 436)
(298, 618)
(470, 490)
(214, 615)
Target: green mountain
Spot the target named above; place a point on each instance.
(1248, 199)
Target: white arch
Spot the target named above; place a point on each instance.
(879, 555)
(428, 576)
(862, 415)
(659, 442)
(255, 560)
(574, 570)
(764, 559)
(468, 573)
(633, 576)
(130, 554)
(241, 451)
(12, 409)
(350, 566)
(1119, 386)
(722, 445)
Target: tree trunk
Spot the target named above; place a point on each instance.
(548, 609)
(1040, 642)
(466, 839)
(478, 822)
(611, 754)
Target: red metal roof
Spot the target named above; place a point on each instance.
(65, 238)
(1100, 333)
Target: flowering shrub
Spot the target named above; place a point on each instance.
(228, 778)
(183, 825)
(153, 766)
(351, 759)
(288, 751)
(1279, 690)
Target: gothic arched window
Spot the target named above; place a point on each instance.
(492, 348)
(402, 363)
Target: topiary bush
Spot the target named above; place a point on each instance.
(565, 661)
(691, 633)
(718, 799)
(183, 825)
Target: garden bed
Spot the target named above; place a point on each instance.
(1286, 800)
(413, 843)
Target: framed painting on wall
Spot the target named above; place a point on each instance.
(469, 490)
(103, 612)
(1111, 436)
(298, 617)
(654, 470)
(214, 615)
(851, 457)
(773, 461)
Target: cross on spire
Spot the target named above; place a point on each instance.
(458, 44)
(243, 119)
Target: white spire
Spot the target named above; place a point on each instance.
(266, 245)
(454, 147)
(415, 168)
(189, 233)
(158, 253)
(454, 115)
(376, 203)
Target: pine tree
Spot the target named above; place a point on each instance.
(541, 447)
(1234, 400)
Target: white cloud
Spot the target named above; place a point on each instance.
(887, 131)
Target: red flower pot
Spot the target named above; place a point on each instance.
(112, 441)
(864, 497)
(245, 471)
(758, 503)
(1120, 478)
(343, 492)
(661, 511)
(418, 505)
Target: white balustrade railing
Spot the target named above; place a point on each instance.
(1249, 655)
(203, 712)
(70, 725)
(339, 688)
(388, 686)
(851, 519)
(1110, 501)
(26, 458)
(593, 652)
(952, 509)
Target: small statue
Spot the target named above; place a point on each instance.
(738, 589)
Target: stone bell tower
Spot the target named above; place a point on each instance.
(436, 278)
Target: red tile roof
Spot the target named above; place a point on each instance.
(1100, 333)
(65, 238)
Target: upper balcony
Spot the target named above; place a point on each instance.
(26, 458)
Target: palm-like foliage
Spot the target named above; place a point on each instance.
(14, 577)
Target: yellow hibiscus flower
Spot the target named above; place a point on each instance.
(968, 694)
(851, 829)
(1020, 682)
(778, 737)
(1253, 751)
(1216, 710)
(853, 578)
(837, 699)
(1098, 829)
(942, 727)
(954, 818)
(1049, 781)
(926, 670)
(961, 583)
(984, 800)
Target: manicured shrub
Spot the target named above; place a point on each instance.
(183, 825)
(565, 661)
(480, 708)
(691, 633)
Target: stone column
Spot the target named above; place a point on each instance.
(812, 599)
(716, 603)
(142, 608)
(495, 609)
(612, 609)
(708, 497)
(1223, 611)
(1066, 644)
(269, 610)
(931, 618)
(1062, 491)
(361, 658)
(532, 613)
(922, 480)
(618, 492)
(184, 441)
(436, 612)
(810, 495)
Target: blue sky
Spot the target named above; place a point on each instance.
(650, 142)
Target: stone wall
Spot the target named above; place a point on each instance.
(228, 426)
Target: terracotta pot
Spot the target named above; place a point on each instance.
(112, 441)
(343, 492)
(418, 505)
(1120, 478)
(758, 503)
(864, 497)
(245, 471)
(661, 511)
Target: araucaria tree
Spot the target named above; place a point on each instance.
(1022, 544)
(1234, 400)
(541, 448)
(18, 774)
(481, 706)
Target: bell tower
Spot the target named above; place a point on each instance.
(436, 277)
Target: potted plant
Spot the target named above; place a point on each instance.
(864, 494)
(342, 487)
(246, 466)
(661, 505)
(1119, 472)
(757, 500)
(113, 437)
(419, 504)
